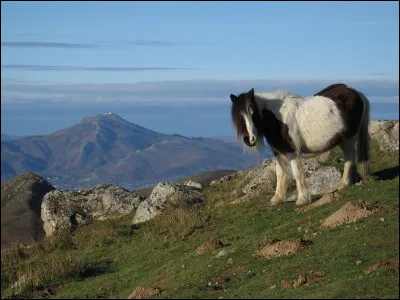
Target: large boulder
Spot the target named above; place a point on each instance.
(262, 178)
(386, 133)
(163, 193)
(324, 180)
(21, 199)
(62, 209)
(259, 179)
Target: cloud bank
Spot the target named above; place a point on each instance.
(185, 92)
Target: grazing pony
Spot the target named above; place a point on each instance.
(292, 125)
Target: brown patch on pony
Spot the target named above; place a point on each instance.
(276, 133)
(350, 105)
(245, 133)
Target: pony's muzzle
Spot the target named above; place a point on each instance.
(250, 140)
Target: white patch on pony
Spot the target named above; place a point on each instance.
(251, 129)
(313, 123)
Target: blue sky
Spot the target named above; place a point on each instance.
(170, 66)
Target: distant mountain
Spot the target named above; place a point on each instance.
(6, 137)
(108, 149)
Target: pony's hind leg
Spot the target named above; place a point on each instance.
(349, 177)
(281, 178)
(298, 173)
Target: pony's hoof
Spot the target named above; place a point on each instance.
(342, 186)
(275, 200)
(303, 200)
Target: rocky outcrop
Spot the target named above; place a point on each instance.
(194, 184)
(262, 178)
(386, 133)
(324, 180)
(259, 179)
(21, 199)
(225, 178)
(61, 209)
(161, 194)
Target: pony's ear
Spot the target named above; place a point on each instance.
(251, 93)
(233, 97)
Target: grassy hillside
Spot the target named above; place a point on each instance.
(110, 259)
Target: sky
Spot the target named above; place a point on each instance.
(171, 66)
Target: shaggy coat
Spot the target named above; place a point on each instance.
(336, 116)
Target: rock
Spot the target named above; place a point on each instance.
(21, 199)
(386, 132)
(224, 178)
(259, 179)
(193, 184)
(262, 178)
(61, 209)
(324, 180)
(161, 194)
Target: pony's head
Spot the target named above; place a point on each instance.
(246, 118)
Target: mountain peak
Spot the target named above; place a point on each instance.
(104, 116)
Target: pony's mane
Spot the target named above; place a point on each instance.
(276, 95)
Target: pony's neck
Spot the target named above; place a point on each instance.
(272, 101)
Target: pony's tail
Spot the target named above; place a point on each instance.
(363, 142)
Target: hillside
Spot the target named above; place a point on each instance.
(21, 199)
(7, 137)
(220, 249)
(108, 149)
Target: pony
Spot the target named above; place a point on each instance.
(293, 125)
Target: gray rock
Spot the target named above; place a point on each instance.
(324, 180)
(262, 178)
(225, 178)
(61, 209)
(193, 184)
(386, 132)
(259, 179)
(161, 194)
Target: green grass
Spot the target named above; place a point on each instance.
(109, 259)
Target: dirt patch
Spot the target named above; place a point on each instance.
(144, 292)
(348, 213)
(326, 198)
(272, 248)
(210, 245)
(304, 279)
(383, 265)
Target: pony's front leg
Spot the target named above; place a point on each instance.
(298, 173)
(281, 179)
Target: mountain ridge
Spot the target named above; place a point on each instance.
(105, 148)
